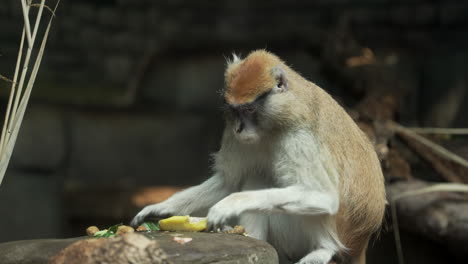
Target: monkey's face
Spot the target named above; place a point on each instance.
(251, 121)
(253, 106)
(245, 120)
(252, 118)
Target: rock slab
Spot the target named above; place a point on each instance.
(151, 247)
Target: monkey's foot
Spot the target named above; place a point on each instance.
(319, 256)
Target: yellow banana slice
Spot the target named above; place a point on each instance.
(183, 223)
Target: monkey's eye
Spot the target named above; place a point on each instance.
(250, 109)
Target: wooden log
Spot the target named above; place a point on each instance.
(438, 216)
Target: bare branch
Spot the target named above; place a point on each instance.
(448, 164)
(436, 130)
(5, 79)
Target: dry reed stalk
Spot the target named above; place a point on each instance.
(25, 9)
(12, 93)
(15, 111)
(31, 40)
(28, 54)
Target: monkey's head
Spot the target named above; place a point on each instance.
(256, 95)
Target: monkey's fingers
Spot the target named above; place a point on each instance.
(137, 221)
(217, 217)
(217, 226)
(148, 215)
(141, 216)
(212, 227)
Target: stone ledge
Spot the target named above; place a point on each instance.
(36, 251)
(203, 248)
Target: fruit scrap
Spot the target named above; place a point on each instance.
(124, 229)
(237, 230)
(182, 240)
(114, 230)
(183, 223)
(90, 231)
(141, 229)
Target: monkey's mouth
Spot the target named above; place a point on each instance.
(247, 136)
(245, 127)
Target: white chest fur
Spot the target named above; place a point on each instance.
(293, 159)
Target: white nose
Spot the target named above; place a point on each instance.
(246, 130)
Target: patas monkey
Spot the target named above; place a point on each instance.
(293, 166)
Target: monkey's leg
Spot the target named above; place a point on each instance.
(291, 200)
(361, 257)
(255, 224)
(319, 256)
(187, 201)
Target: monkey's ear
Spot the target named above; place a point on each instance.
(281, 80)
(235, 58)
(232, 60)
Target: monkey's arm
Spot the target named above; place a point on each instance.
(290, 200)
(195, 198)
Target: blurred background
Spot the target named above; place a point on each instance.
(126, 108)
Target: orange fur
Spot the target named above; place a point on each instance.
(250, 78)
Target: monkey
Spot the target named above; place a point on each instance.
(293, 168)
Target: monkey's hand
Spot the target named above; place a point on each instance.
(217, 218)
(231, 206)
(156, 210)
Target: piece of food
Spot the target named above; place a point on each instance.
(111, 232)
(237, 230)
(183, 223)
(141, 228)
(124, 229)
(182, 240)
(104, 233)
(90, 231)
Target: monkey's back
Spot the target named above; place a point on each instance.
(361, 182)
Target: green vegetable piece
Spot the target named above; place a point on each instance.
(100, 233)
(108, 232)
(151, 226)
(114, 228)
